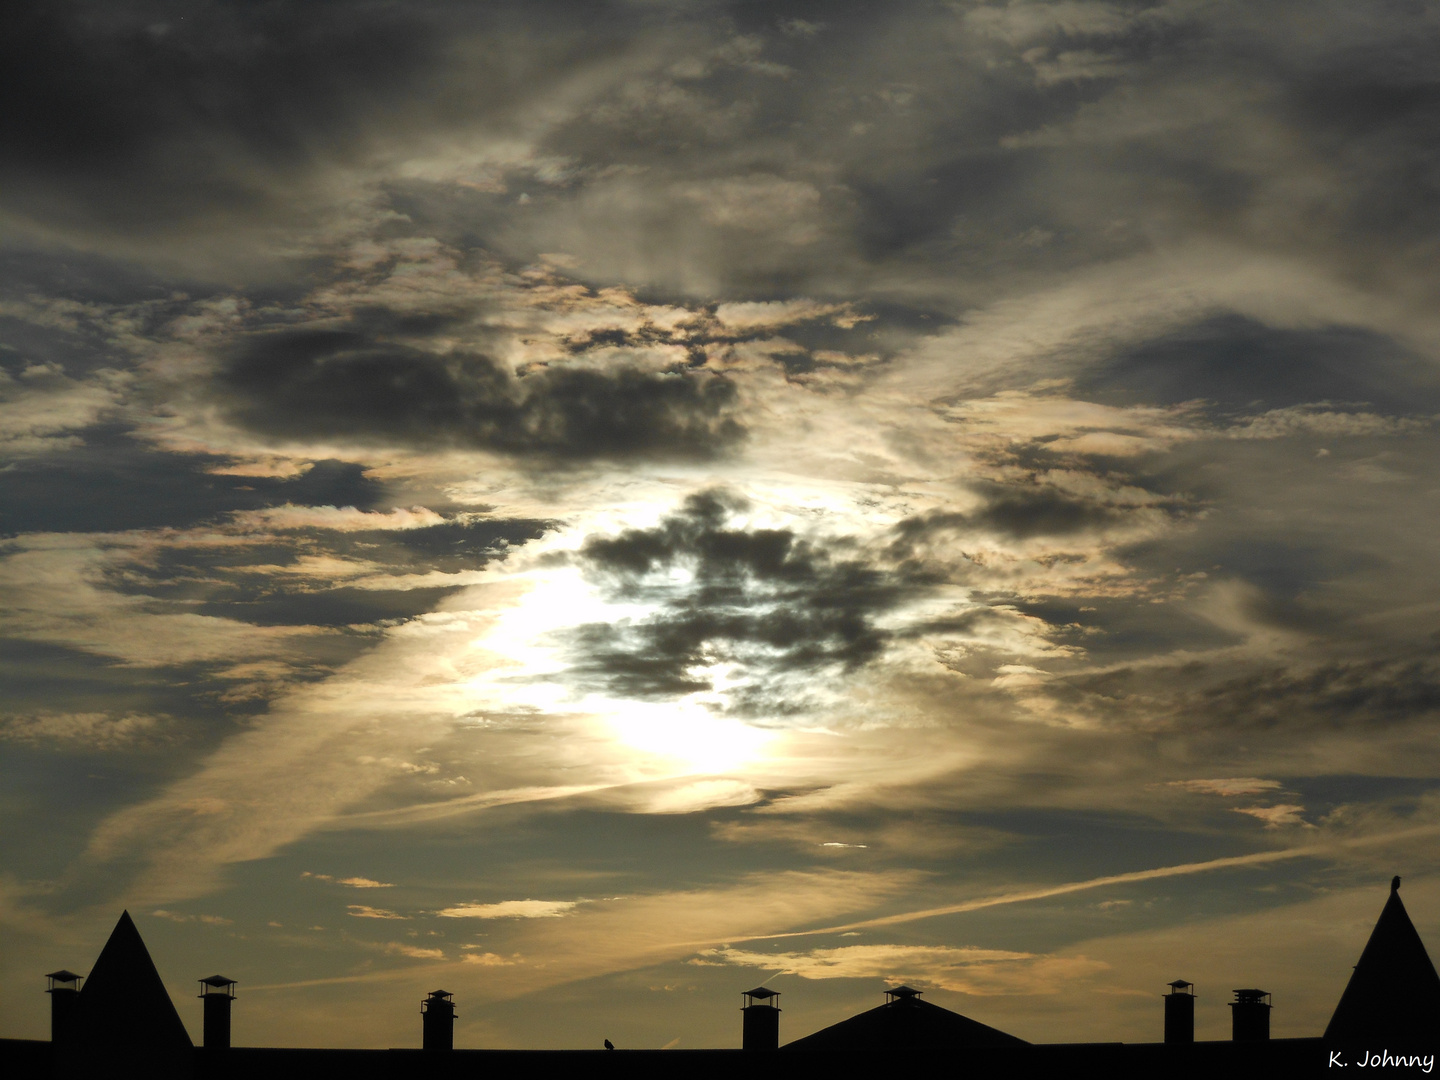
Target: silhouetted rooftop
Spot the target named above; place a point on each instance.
(905, 1021)
(125, 1005)
(1394, 994)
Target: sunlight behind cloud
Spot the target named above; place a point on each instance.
(688, 735)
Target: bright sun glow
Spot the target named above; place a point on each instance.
(689, 735)
(679, 738)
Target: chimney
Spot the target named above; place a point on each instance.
(438, 1017)
(1250, 1016)
(761, 1029)
(64, 991)
(1180, 1012)
(217, 992)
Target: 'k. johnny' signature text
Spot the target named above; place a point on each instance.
(1385, 1060)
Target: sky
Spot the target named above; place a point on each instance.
(598, 506)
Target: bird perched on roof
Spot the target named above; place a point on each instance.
(1395, 883)
(609, 1045)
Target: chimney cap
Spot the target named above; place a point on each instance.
(58, 979)
(903, 993)
(1178, 985)
(441, 994)
(217, 986)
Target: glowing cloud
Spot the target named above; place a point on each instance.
(511, 909)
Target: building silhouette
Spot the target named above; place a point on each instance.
(904, 1020)
(1393, 995)
(760, 1026)
(122, 1011)
(1180, 1012)
(120, 1019)
(218, 994)
(438, 1021)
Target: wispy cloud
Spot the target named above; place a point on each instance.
(414, 952)
(965, 970)
(175, 916)
(511, 909)
(352, 882)
(364, 911)
(96, 731)
(488, 959)
(1276, 817)
(1238, 785)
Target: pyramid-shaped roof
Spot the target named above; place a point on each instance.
(1393, 997)
(124, 1005)
(905, 1023)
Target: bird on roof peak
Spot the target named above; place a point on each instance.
(1395, 883)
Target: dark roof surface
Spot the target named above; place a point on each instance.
(1394, 994)
(905, 1024)
(124, 1004)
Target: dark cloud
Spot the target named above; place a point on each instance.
(1019, 511)
(712, 149)
(144, 114)
(239, 580)
(1240, 364)
(113, 482)
(1239, 707)
(1025, 513)
(38, 675)
(152, 116)
(109, 100)
(457, 545)
(332, 607)
(344, 383)
(765, 599)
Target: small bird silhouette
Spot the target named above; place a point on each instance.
(609, 1045)
(1395, 883)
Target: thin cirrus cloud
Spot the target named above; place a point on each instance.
(1278, 816)
(352, 882)
(511, 909)
(978, 972)
(1235, 785)
(365, 911)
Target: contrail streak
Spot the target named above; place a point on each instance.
(1256, 859)
(655, 953)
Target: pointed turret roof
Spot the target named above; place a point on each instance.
(1393, 997)
(124, 1003)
